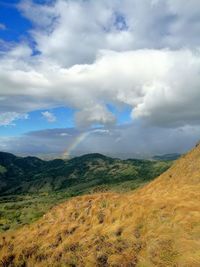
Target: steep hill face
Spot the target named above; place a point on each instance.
(33, 175)
(158, 225)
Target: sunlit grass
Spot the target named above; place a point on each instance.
(156, 225)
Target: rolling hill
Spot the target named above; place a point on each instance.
(30, 186)
(156, 225)
(32, 175)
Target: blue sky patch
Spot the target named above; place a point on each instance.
(17, 26)
(36, 121)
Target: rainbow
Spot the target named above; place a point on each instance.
(77, 141)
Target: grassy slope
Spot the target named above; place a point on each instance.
(158, 225)
(43, 184)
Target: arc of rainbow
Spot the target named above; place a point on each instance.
(75, 143)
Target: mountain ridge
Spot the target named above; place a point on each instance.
(31, 174)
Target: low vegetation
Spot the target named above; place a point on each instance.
(30, 187)
(156, 225)
(32, 175)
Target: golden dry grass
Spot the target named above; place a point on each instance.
(157, 225)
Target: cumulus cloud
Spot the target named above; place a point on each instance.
(141, 54)
(161, 86)
(94, 114)
(8, 118)
(49, 116)
(73, 37)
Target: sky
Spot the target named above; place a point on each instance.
(116, 77)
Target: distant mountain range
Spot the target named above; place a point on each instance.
(173, 156)
(31, 175)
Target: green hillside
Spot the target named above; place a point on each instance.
(30, 186)
(32, 175)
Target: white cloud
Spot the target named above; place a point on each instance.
(144, 54)
(161, 86)
(73, 37)
(101, 131)
(49, 116)
(64, 134)
(94, 114)
(8, 118)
